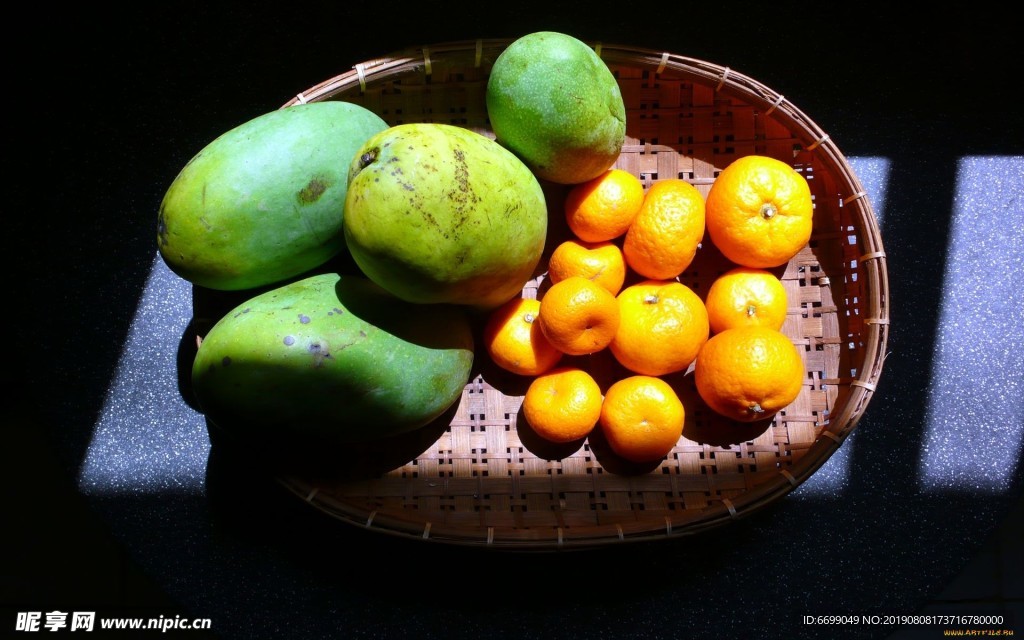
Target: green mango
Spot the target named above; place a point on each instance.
(264, 202)
(554, 103)
(441, 214)
(330, 359)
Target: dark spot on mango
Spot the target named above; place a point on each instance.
(319, 353)
(312, 191)
(289, 341)
(226, 360)
(161, 227)
(368, 158)
(303, 318)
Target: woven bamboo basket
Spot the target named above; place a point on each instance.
(480, 478)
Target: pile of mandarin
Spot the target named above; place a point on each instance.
(758, 213)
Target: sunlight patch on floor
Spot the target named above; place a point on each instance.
(975, 421)
(147, 439)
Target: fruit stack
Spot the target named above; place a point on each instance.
(445, 227)
(615, 286)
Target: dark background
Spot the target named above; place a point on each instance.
(104, 107)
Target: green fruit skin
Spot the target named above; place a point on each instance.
(264, 202)
(331, 359)
(556, 105)
(441, 214)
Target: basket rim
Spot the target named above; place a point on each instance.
(421, 60)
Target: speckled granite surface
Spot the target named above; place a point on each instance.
(882, 528)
